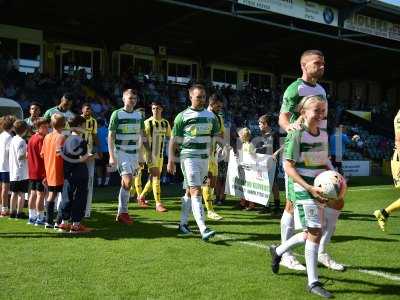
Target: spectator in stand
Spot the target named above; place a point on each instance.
(37, 173)
(339, 112)
(182, 97)
(223, 158)
(103, 176)
(337, 146)
(23, 101)
(105, 107)
(3, 63)
(30, 83)
(247, 148)
(96, 107)
(7, 123)
(10, 91)
(268, 143)
(18, 170)
(2, 91)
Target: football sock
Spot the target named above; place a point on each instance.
(287, 226)
(147, 188)
(211, 197)
(32, 213)
(123, 200)
(207, 196)
(330, 217)
(21, 202)
(393, 207)
(311, 256)
(50, 212)
(41, 215)
(198, 213)
(277, 203)
(107, 180)
(132, 191)
(295, 240)
(185, 210)
(138, 183)
(156, 189)
(13, 202)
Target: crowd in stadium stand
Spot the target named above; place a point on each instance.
(241, 107)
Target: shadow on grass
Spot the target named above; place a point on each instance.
(144, 228)
(375, 287)
(378, 269)
(349, 215)
(104, 227)
(250, 237)
(347, 238)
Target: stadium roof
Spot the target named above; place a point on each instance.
(209, 30)
(388, 6)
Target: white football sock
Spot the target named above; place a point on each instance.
(185, 210)
(123, 200)
(41, 215)
(311, 255)
(295, 240)
(198, 213)
(328, 227)
(287, 227)
(32, 213)
(107, 181)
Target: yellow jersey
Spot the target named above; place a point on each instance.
(155, 132)
(397, 124)
(221, 133)
(248, 148)
(90, 130)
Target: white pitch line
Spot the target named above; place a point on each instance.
(370, 189)
(223, 237)
(380, 274)
(226, 237)
(370, 272)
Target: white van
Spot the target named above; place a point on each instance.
(10, 107)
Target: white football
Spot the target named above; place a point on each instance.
(332, 184)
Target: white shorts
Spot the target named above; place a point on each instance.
(307, 214)
(127, 163)
(195, 171)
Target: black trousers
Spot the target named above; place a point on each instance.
(74, 207)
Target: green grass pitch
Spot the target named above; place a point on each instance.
(148, 260)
